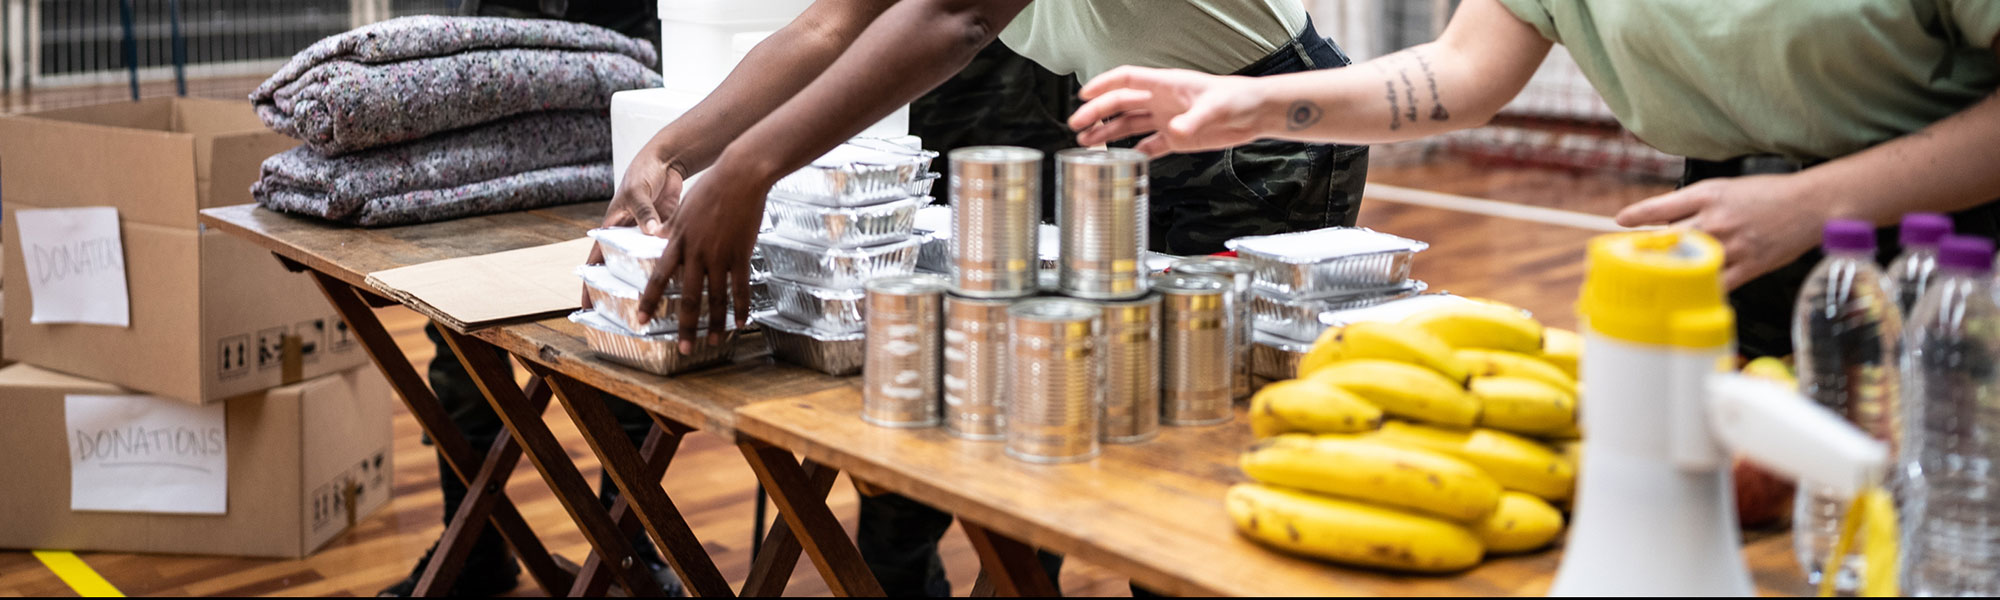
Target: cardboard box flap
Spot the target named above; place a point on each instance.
(148, 174)
(23, 376)
(153, 114)
(492, 289)
(210, 117)
(242, 156)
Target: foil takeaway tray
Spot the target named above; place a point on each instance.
(1305, 318)
(1276, 358)
(1328, 262)
(658, 354)
(821, 309)
(859, 173)
(838, 268)
(837, 354)
(845, 227)
(618, 302)
(631, 254)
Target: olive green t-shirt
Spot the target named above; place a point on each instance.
(1808, 79)
(1089, 37)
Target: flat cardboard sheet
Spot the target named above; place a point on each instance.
(476, 292)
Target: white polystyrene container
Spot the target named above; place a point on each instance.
(697, 36)
(638, 114)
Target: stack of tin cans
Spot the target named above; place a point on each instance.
(1303, 280)
(993, 254)
(848, 218)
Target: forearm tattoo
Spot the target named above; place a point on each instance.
(1301, 115)
(1404, 107)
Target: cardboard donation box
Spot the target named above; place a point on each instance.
(208, 316)
(286, 470)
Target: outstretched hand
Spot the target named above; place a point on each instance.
(649, 197)
(1763, 221)
(708, 254)
(1185, 111)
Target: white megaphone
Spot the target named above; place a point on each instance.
(1655, 509)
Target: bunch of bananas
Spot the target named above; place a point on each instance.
(1417, 446)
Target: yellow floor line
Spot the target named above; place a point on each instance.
(1491, 208)
(80, 577)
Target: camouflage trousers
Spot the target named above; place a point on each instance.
(1198, 200)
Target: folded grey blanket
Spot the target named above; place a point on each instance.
(406, 78)
(526, 162)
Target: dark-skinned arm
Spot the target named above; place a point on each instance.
(910, 49)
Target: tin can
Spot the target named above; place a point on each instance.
(899, 378)
(1198, 351)
(1056, 368)
(996, 197)
(975, 367)
(1101, 209)
(1131, 369)
(1242, 276)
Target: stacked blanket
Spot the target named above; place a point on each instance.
(427, 118)
(532, 161)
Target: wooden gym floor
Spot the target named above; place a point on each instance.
(709, 480)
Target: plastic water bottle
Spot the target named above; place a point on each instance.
(1911, 272)
(1950, 514)
(1846, 330)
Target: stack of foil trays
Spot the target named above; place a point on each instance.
(615, 328)
(1307, 281)
(848, 217)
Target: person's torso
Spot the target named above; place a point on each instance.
(1807, 79)
(1089, 37)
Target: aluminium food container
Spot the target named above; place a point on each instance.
(658, 354)
(836, 354)
(860, 173)
(901, 380)
(1056, 368)
(617, 301)
(631, 254)
(1277, 358)
(1198, 351)
(822, 309)
(837, 268)
(1101, 210)
(1328, 262)
(1304, 319)
(844, 227)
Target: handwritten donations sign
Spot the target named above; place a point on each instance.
(76, 265)
(147, 454)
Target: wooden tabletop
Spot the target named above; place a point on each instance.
(1154, 510)
(350, 253)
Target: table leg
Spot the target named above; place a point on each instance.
(482, 492)
(458, 453)
(669, 529)
(807, 517)
(1010, 565)
(489, 370)
(771, 563)
(658, 451)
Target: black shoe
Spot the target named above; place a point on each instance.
(486, 573)
(667, 579)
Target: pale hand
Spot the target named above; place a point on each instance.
(1185, 111)
(1763, 221)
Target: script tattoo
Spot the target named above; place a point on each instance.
(1409, 92)
(1395, 114)
(1438, 113)
(1301, 115)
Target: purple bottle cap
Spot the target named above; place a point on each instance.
(1924, 229)
(1966, 253)
(1847, 235)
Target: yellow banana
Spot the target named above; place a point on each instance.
(1325, 351)
(1564, 349)
(1518, 464)
(1481, 325)
(1523, 405)
(1429, 482)
(1390, 341)
(1772, 368)
(1521, 523)
(1404, 390)
(1348, 532)
(1311, 406)
(1499, 363)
